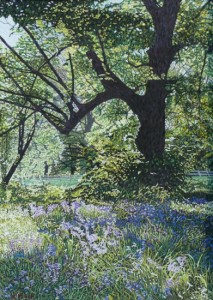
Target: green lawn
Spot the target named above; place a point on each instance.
(62, 181)
(203, 181)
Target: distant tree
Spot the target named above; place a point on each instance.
(72, 158)
(25, 136)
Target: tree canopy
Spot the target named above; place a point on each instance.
(78, 55)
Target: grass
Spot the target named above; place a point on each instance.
(62, 181)
(82, 251)
(205, 182)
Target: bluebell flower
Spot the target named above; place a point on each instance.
(66, 226)
(75, 205)
(37, 211)
(51, 208)
(66, 207)
(51, 250)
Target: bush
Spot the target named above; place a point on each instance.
(18, 194)
(118, 174)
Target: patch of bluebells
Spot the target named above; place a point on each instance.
(83, 228)
(52, 272)
(24, 244)
(37, 211)
(195, 200)
(22, 282)
(96, 236)
(66, 207)
(52, 207)
(88, 235)
(59, 292)
(51, 251)
(76, 205)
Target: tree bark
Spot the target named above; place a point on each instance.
(7, 178)
(151, 114)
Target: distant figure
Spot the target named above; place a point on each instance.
(46, 168)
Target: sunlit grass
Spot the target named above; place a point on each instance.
(91, 211)
(205, 208)
(61, 181)
(17, 231)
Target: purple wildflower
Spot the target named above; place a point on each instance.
(37, 211)
(75, 205)
(51, 250)
(51, 207)
(66, 226)
(53, 271)
(65, 206)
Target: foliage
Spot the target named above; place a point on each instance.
(120, 41)
(47, 146)
(19, 194)
(118, 174)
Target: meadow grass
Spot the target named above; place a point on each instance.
(85, 251)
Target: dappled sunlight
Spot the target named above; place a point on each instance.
(195, 206)
(18, 232)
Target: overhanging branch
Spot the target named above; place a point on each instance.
(38, 73)
(47, 60)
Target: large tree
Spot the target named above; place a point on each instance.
(130, 47)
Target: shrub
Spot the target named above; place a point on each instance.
(118, 174)
(19, 194)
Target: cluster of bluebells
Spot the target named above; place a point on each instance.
(51, 251)
(52, 272)
(195, 200)
(51, 208)
(87, 231)
(84, 228)
(37, 211)
(177, 265)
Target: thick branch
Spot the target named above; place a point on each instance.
(162, 52)
(97, 65)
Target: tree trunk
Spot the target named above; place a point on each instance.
(10, 173)
(150, 140)
(22, 148)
